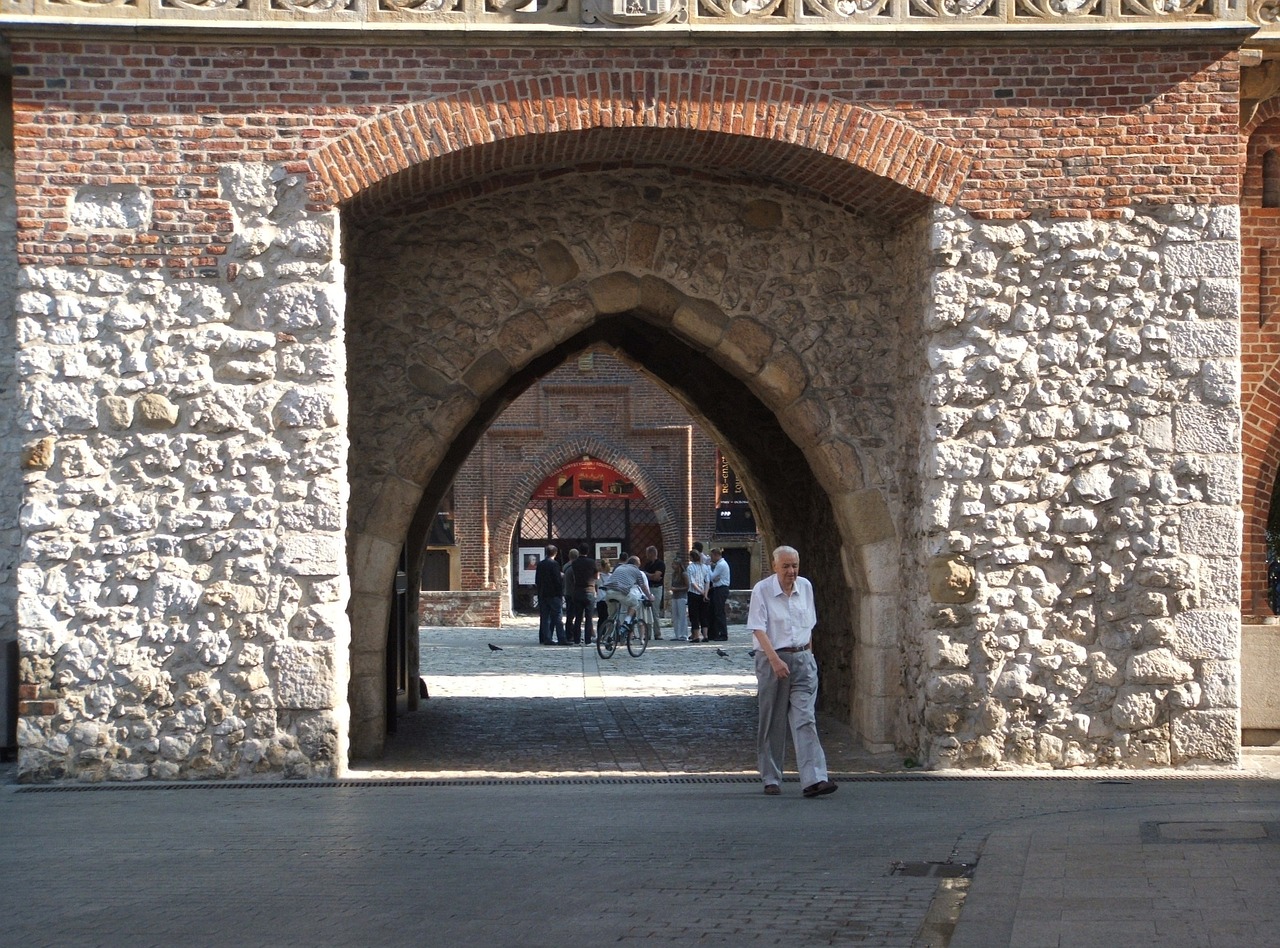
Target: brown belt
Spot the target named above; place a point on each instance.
(794, 648)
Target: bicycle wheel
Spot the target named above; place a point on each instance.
(638, 638)
(607, 638)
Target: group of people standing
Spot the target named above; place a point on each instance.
(699, 594)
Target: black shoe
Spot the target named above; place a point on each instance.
(819, 789)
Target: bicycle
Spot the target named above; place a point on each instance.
(630, 629)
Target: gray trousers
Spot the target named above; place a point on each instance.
(788, 703)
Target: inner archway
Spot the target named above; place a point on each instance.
(774, 319)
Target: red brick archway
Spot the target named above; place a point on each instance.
(555, 458)
(707, 122)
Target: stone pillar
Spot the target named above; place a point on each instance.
(183, 586)
(1081, 488)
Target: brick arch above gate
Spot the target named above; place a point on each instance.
(747, 126)
(1261, 438)
(557, 457)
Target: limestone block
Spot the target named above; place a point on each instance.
(373, 566)
(782, 379)
(1207, 634)
(156, 412)
(1259, 677)
(836, 463)
(306, 408)
(294, 308)
(1157, 666)
(523, 336)
(428, 380)
(614, 293)
(39, 455)
(557, 262)
(174, 596)
(1211, 736)
(488, 372)
(117, 412)
(1211, 531)
(642, 244)
(1220, 382)
(111, 208)
(304, 673)
(1205, 339)
(659, 300)
(1206, 429)
(880, 624)
(311, 555)
(1218, 299)
(1155, 433)
(1203, 258)
(863, 516)
(951, 579)
(701, 322)
(745, 347)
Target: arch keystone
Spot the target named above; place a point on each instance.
(614, 293)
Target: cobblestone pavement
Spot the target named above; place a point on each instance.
(546, 798)
(530, 709)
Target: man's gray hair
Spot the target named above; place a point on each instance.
(778, 551)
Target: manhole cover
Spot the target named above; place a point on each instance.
(1193, 832)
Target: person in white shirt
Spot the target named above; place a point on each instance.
(781, 617)
(699, 598)
(718, 598)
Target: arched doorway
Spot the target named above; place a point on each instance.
(773, 318)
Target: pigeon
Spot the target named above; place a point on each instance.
(722, 653)
(494, 648)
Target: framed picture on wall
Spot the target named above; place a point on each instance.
(608, 552)
(528, 559)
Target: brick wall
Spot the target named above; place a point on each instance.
(1071, 130)
(600, 405)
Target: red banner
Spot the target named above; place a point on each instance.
(587, 478)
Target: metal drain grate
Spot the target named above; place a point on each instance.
(936, 870)
(605, 780)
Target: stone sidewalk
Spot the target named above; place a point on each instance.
(546, 798)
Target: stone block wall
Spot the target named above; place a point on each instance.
(1031, 520)
(1082, 487)
(182, 596)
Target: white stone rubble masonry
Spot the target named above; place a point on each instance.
(182, 586)
(1082, 452)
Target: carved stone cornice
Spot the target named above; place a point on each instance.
(1092, 21)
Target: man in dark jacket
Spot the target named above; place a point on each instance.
(582, 598)
(548, 580)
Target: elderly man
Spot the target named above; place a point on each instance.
(782, 617)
